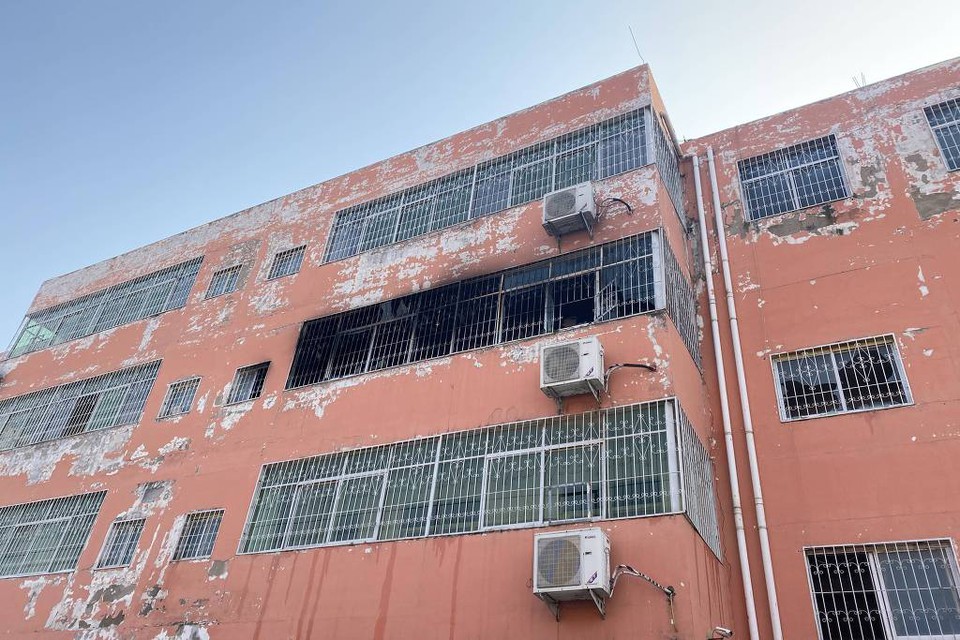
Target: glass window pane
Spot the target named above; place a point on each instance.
(357, 506)
(513, 490)
(808, 386)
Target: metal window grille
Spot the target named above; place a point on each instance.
(618, 463)
(248, 383)
(223, 282)
(944, 119)
(598, 151)
(885, 591)
(46, 536)
(142, 297)
(121, 543)
(110, 400)
(198, 535)
(668, 164)
(601, 283)
(699, 498)
(801, 176)
(179, 398)
(859, 375)
(287, 263)
(681, 304)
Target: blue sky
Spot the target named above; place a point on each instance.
(123, 122)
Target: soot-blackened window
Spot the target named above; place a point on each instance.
(609, 281)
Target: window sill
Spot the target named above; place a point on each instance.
(835, 414)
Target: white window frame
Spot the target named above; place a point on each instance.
(673, 475)
(936, 138)
(107, 540)
(872, 550)
(831, 349)
(180, 536)
(162, 415)
(791, 181)
(226, 272)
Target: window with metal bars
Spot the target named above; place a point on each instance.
(944, 119)
(223, 282)
(613, 280)
(859, 375)
(248, 383)
(287, 263)
(198, 535)
(46, 536)
(142, 297)
(598, 151)
(179, 398)
(616, 463)
(885, 591)
(110, 400)
(801, 176)
(121, 543)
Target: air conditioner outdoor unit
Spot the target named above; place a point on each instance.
(570, 210)
(572, 565)
(572, 368)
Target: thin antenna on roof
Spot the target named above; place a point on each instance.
(635, 45)
(861, 82)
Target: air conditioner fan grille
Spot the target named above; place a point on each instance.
(560, 204)
(558, 562)
(562, 363)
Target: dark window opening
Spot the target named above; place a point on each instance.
(523, 313)
(80, 415)
(574, 301)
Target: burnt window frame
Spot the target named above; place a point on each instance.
(476, 311)
(257, 385)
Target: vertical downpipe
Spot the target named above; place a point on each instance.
(745, 408)
(725, 413)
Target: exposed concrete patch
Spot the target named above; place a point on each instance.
(218, 569)
(933, 204)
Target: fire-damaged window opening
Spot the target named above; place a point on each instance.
(46, 536)
(626, 462)
(609, 281)
(944, 119)
(121, 543)
(121, 304)
(223, 282)
(885, 591)
(109, 400)
(198, 535)
(248, 383)
(859, 375)
(614, 146)
(287, 263)
(794, 178)
(179, 398)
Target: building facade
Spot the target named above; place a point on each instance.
(323, 416)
